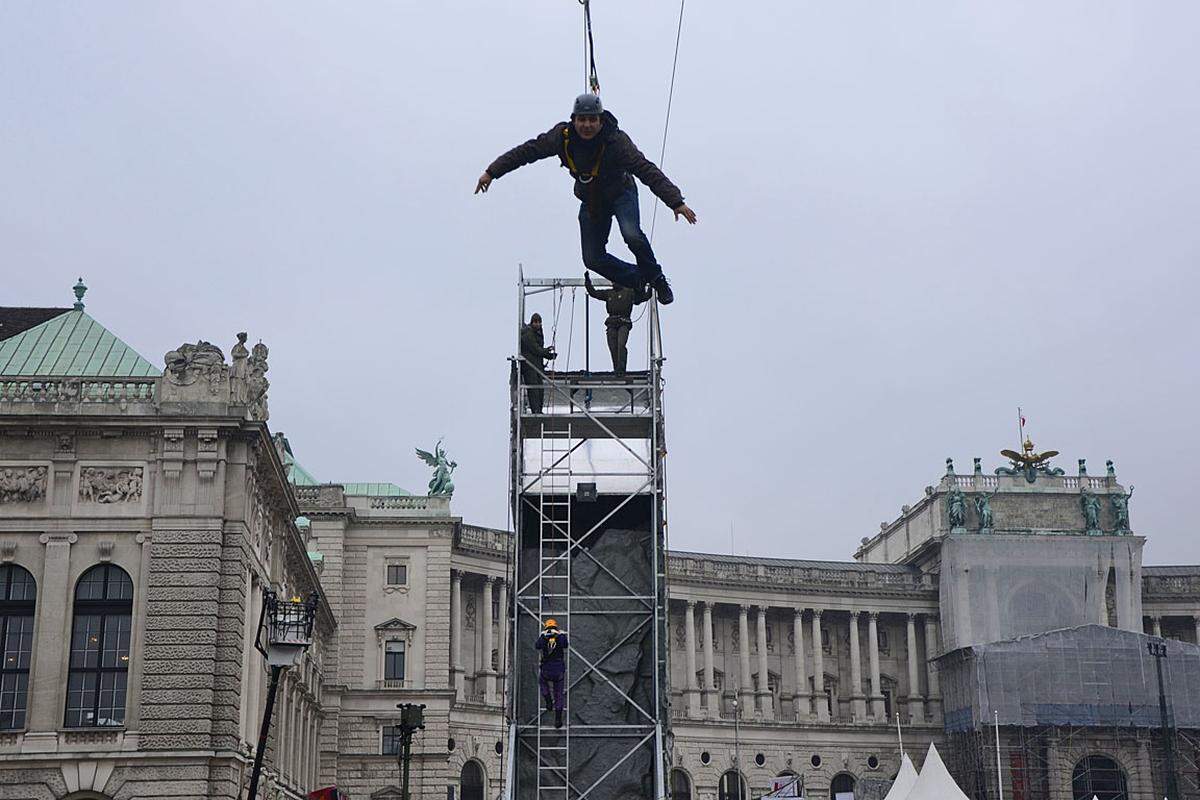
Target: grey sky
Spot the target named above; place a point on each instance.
(913, 218)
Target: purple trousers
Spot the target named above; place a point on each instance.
(552, 684)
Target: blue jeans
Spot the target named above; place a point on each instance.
(594, 228)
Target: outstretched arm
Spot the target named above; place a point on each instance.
(648, 173)
(599, 294)
(533, 150)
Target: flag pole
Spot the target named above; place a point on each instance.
(999, 774)
(899, 734)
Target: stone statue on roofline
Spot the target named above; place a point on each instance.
(239, 372)
(440, 485)
(983, 509)
(957, 508)
(257, 383)
(1089, 503)
(195, 373)
(1120, 508)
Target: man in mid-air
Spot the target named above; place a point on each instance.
(603, 160)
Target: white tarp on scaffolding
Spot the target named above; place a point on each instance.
(905, 780)
(934, 782)
(1000, 587)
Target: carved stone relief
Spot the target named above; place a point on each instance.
(110, 484)
(22, 484)
(469, 612)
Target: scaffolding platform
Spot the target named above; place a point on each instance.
(589, 510)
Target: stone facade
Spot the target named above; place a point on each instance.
(186, 500)
(777, 666)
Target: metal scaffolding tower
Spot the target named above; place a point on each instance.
(589, 550)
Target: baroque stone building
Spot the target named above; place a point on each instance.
(143, 510)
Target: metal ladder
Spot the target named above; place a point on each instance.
(554, 601)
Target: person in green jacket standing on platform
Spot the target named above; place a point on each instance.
(618, 302)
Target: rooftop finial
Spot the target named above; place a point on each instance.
(79, 290)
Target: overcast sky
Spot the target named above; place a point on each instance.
(914, 217)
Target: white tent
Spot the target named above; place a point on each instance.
(934, 782)
(904, 780)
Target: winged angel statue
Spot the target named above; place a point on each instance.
(440, 483)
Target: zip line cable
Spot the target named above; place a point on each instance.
(662, 156)
(591, 81)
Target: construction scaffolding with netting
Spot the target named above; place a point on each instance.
(1074, 713)
(588, 498)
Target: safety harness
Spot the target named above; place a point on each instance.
(595, 170)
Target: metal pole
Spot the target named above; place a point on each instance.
(587, 333)
(262, 735)
(1159, 651)
(999, 774)
(406, 757)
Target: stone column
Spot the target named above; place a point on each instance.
(746, 696)
(858, 701)
(1145, 780)
(766, 702)
(489, 674)
(712, 702)
(1054, 770)
(877, 709)
(502, 628)
(1196, 623)
(916, 704)
(932, 651)
(456, 624)
(47, 678)
(280, 712)
(1156, 623)
(803, 697)
(691, 692)
(820, 701)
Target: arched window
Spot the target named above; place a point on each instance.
(471, 781)
(842, 784)
(732, 786)
(100, 636)
(1099, 776)
(681, 785)
(17, 595)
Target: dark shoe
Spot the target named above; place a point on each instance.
(558, 719)
(662, 288)
(549, 703)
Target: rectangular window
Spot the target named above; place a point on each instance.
(99, 663)
(391, 740)
(397, 574)
(393, 661)
(826, 641)
(16, 641)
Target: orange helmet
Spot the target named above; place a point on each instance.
(550, 623)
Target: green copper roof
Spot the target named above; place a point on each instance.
(375, 490)
(72, 344)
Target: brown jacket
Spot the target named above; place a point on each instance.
(620, 158)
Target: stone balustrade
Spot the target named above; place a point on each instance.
(710, 569)
(91, 391)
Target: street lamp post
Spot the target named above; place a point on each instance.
(284, 633)
(412, 719)
(1159, 651)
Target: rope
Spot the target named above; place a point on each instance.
(571, 334)
(557, 307)
(591, 81)
(662, 156)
